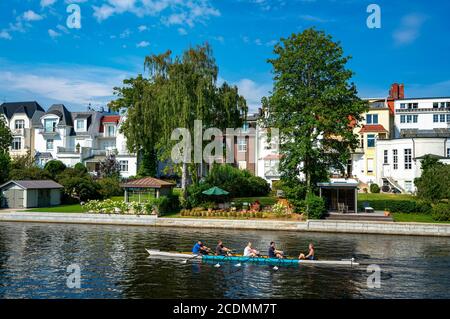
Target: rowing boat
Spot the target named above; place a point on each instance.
(241, 259)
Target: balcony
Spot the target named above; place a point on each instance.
(48, 131)
(18, 132)
(424, 110)
(67, 150)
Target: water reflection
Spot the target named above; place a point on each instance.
(114, 264)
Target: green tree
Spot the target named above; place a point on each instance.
(109, 167)
(5, 164)
(314, 105)
(5, 136)
(434, 183)
(79, 185)
(54, 167)
(178, 91)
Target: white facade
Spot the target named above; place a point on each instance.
(267, 156)
(422, 114)
(399, 159)
(82, 137)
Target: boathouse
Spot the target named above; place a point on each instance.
(143, 189)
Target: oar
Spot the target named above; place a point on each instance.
(225, 256)
(186, 260)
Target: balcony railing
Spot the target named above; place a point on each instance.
(427, 109)
(18, 132)
(67, 150)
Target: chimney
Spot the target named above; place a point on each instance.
(394, 91)
(401, 91)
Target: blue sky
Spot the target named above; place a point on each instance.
(42, 59)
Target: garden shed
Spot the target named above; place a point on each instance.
(340, 195)
(28, 194)
(145, 188)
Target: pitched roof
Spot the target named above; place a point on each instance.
(29, 108)
(373, 128)
(37, 184)
(147, 182)
(61, 111)
(108, 119)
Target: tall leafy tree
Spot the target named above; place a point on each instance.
(314, 105)
(5, 136)
(178, 91)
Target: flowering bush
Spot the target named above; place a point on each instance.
(279, 209)
(107, 206)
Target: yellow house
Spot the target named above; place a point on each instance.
(377, 124)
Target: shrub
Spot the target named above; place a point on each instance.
(79, 167)
(423, 207)
(78, 185)
(374, 188)
(110, 186)
(315, 207)
(54, 167)
(280, 210)
(295, 194)
(441, 212)
(394, 206)
(434, 184)
(107, 206)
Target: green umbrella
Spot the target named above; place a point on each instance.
(215, 191)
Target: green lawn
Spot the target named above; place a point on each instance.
(383, 196)
(414, 218)
(73, 208)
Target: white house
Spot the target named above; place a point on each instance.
(20, 118)
(86, 137)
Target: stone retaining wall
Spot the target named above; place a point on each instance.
(362, 227)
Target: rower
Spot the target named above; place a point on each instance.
(221, 250)
(249, 251)
(310, 255)
(273, 252)
(199, 248)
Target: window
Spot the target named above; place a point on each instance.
(17, 144)
(415, 118)
(50, 125)
(442, 118)
(395, 158)
(19, 124)
(409, 119)
(242, 165)
(448, 118)
(371, 140)
(110, 130)
(442, 104)
(435, 118)
(372, 119)
(80, 125)
(245, 127)
(448, 104)
(242, 144)
(49, 144)
(402, 105)
(402, 119)
(385, 157)
(435, 105)
(123, 166)
(448, 152)
(408, 158)
(369, 165)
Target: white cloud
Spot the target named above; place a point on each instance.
(409, 29)
(30, 15)
(182, 31)
(253, 92)
(46, 3)
(143, 44)
(74, 85)
(142, 28)
(311, 18)
(171, 12)
(125, 34)
(53, 34)
(5, 35)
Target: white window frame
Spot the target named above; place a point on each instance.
(52, 144)
(16, 144)
(407, 152)
(83, 126)
(242, 144)
(19, 124)
(395, 158)
(385, 157)
(123, 166)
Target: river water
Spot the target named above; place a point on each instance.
(114, 264)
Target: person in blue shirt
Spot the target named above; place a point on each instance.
(199, 248)
(273, 252)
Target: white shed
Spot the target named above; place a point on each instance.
(28, 194)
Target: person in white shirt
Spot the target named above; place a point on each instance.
(249, 251)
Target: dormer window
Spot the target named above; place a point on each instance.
(110, 130)
(81, 126)
(50, 125)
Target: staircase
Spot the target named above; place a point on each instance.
(394, 184)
